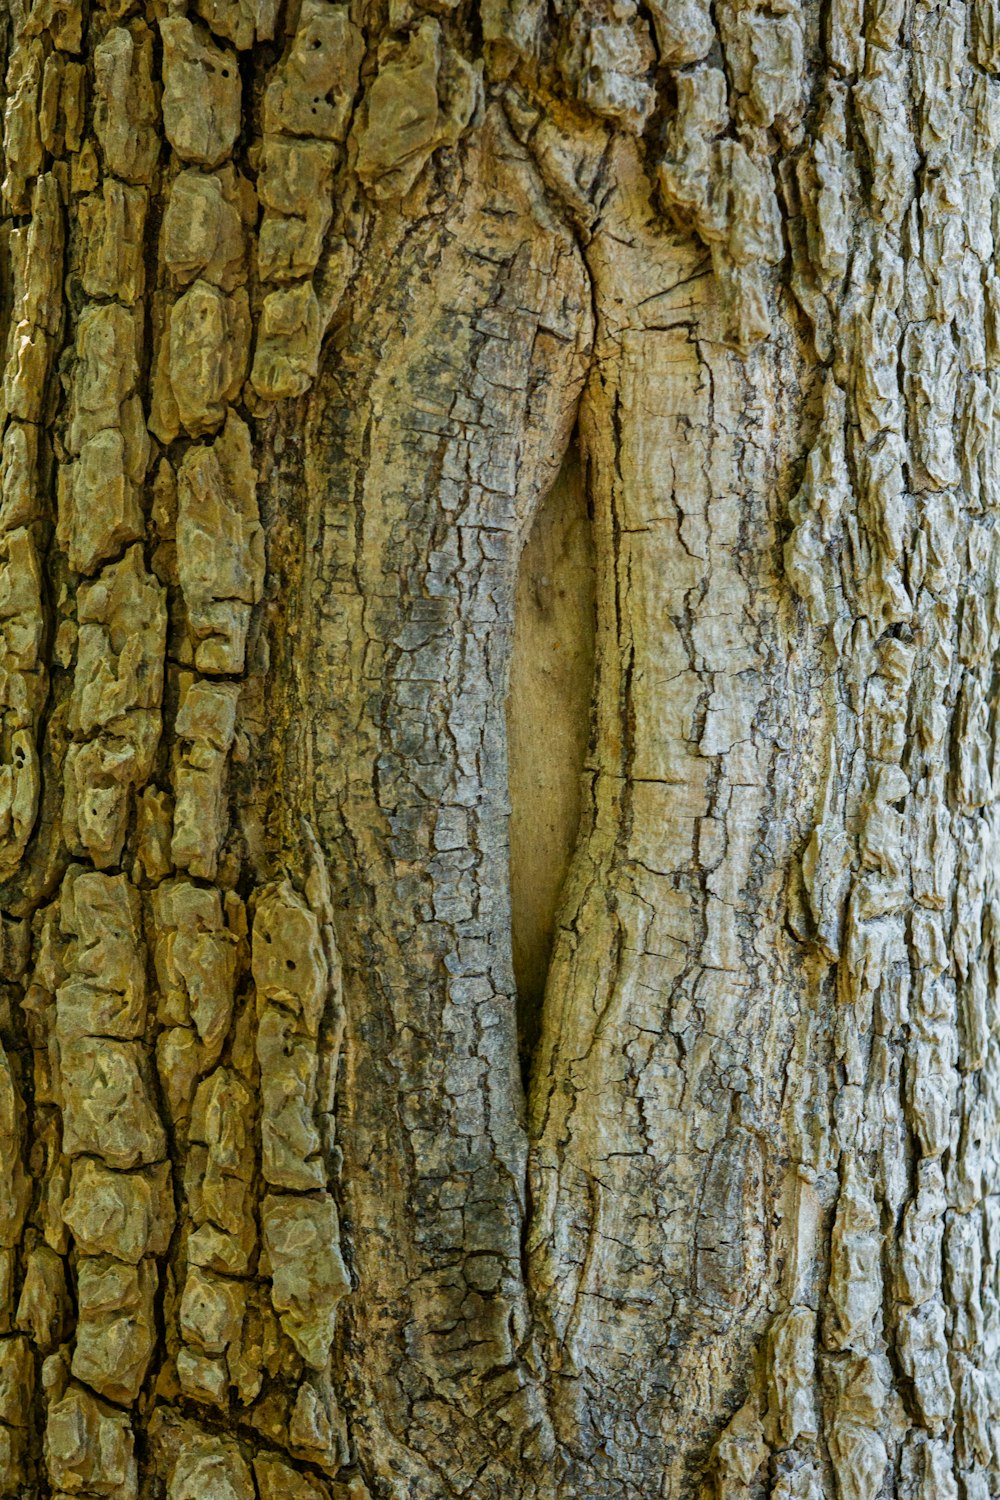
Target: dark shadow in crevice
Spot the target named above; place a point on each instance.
(548, 727)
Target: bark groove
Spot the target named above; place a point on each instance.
(301, 307)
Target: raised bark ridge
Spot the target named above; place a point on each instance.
(175, 1249)
(759, 1249)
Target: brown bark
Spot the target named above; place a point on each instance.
(306, 309)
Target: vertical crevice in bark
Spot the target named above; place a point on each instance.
(654, 1099)
(436, 427)
(548, 726)
(762, 1240)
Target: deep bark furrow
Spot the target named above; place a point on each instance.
(473, 411)
(301, 306)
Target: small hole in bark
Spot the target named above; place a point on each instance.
(548, 727)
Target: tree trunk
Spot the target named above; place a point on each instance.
(384, 1114)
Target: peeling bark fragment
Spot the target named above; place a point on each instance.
(295, 188)
(211, 1318)
(20, 501)
(115, 1331)
(740, 1454)
(125, 110)
(312, 92)
(684, 30)
(107, 345)
(973, 1438)
(107, 1103)
(204, 227)
(934, 1084)
(607, 54)
(35, 318)
(424, 96)
(21, 610)
(279, 1481)
(728, 197)
(23, 683)
(288, 343)
(89, 1447)
(289, 966)
(219, 1174)
(115, 709)
(986, 29)
(881, 103)
(859, 1459)
(857, 1446)
(198, 1464)
(932, 372)
(36, 253)
(793, 1364)
(48, 114)
(290, 1142)
(208, 346)
(195, 962)
(104, 993)
(317, 1428)
(99, 495)
(205, 725)
(99, 979)
(43, 1308)
(17, 1381)
(62, 19)
(290, 973)
(920, 1242)
(125, 1214)
(855, 1278)
(963, 1280)
(776, 77)
(818, 510)
(308, 1278)
(179, 1061)
(211, 1311)
(22, 140)
(26, 372)
(240, 21)
(15, 1185)
(832, 229)
(154, 819)
(927, 1468)
(201, 93)
(220, 547)
(110, 248)
(923, 1354)
(99, 510)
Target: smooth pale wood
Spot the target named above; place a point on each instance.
(548, 725)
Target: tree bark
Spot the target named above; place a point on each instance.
(498, 608)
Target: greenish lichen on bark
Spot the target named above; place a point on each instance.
(301, 308)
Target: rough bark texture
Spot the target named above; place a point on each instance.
(305, 307)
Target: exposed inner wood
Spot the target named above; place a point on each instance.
(548, 725)
(299, 308)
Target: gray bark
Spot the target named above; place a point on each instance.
(498, 607)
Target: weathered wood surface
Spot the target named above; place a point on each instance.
(303, 309)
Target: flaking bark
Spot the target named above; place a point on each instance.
(303, 308)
